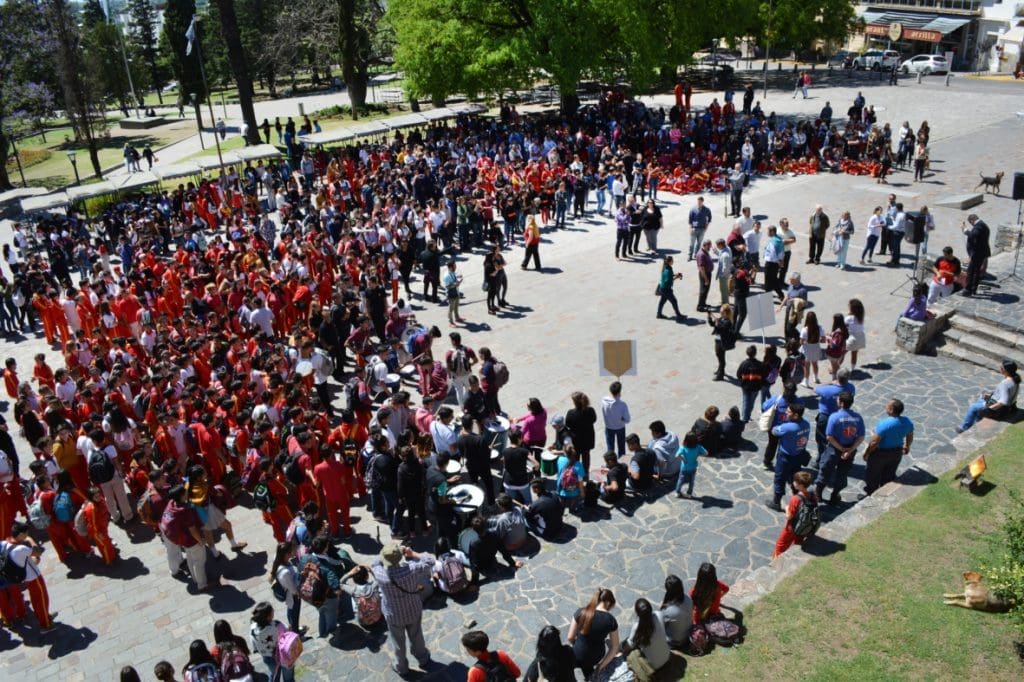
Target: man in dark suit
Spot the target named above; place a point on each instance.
(978, 250)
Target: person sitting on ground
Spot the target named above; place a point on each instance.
(483, 546)
(707, 594)
(613, 490)
(489, 665)
(544, 515)
(509, 524)
(732, 429)
(676, 612)
(917, 307)
(555, 661)
(997, 403)
(447, 576)
(643, 467)
(709, 431)
(646, 648)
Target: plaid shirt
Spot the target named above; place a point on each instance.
(400, 586)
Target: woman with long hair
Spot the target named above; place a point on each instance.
(579, 421)
(707, 594)
(676, 611)
(810, 340)
(665, 294)
(201, 665)
(531, 237)
(995, 403)
(284, 579)
(857, 340)
(590, 627)
(835, 345)
(647, 639)
(554, 661)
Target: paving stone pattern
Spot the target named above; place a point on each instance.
(135, 614)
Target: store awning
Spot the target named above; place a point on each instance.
(895, 26)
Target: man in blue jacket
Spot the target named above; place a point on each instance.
(793, 435)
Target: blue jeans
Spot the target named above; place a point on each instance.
(615, 440)
(277, 672)
(975, 412)
(600, 200)
(292, 613)
(560, 210)
(749, 398)
(696, 237)
(747, 164)
(510, 231)
(869, 248)
(390, 504)
(786, 465)
(832, 464)
(328, 617)
(687, 478)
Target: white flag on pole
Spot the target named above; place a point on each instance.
(190, 34)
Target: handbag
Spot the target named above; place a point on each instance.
(767, 418)
(484, 286)
(657, 290)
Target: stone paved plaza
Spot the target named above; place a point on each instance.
(135, 614)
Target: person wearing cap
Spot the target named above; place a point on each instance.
(996, 403)
(25, 553)
(401, 574)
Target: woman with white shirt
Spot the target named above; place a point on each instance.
(875, 224)
(857, 340)
(810, 339)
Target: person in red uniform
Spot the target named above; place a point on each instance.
(346, 436)
(334, 493)
(61, 505)
(211, 447)
(281, 515)
(707, 594)
(11, 377)
(476, 643)
(42, 373)
(97, 522)
(25, 554)
(786, 539)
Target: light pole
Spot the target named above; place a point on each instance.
(9, 134)
(199, 128)
(714, 63)
(767, 46)
(74, 164)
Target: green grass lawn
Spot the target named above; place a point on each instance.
(875, 611)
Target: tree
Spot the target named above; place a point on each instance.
(101, 47)
(83, 109)
(93, 13)
(299, 34)
(143, 39)
(796, 24)
(24, 97)
(185, 67)
(362, 40)
(239, 66)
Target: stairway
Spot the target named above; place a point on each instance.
(983, 339)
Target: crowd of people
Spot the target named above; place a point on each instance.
(254, 340)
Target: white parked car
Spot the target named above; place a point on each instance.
(926, 64)
(876, 60)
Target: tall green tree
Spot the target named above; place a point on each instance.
(239, 65)
(25, 97)
(185, 67)
(363, 41)
(144, 41)
(93, 13)
(797, 24)
(84, 110)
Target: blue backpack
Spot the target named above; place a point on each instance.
(63, 509)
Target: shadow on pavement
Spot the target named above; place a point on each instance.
(68, 639)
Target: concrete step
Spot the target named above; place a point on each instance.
(970, 343)
(952, 350)
(980, 327)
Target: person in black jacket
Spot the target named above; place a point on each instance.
(410, 487)
(751, 374)
(979, 251)
(385, 486)
(475, 453)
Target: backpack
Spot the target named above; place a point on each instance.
(251, 474)
(63, 508)
(10, 571)
(500, 374)
(807, 519)
(234, 664)
(723, 632)
(494, 669)
(368, 608)
(835, 345)
(140, 404)
(204, 672)
(262, 499)
(698, 640)
(101, 469)
(792, 370)
(144, 508)
(289, 648)
(312, 586)
(329, 366)
(569, 480)
(349, 452)
(81, 526)
(372, 477)
(37, 516)
(293, 472)
(410, 343)
(454, 574)
(460, 362)
(352, 394)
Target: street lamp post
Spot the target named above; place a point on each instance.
(199, 128)
(74, 164)
(714, 63)
(9, 132)
(767, 47)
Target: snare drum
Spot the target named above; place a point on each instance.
(548, 463)
(304, 368)
(453, 467)
(393, 381)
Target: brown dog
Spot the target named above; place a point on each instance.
(991, 182)
(976, 596)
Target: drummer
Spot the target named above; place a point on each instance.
(517, 462)
(359, 341)
(443, 430)
(423, 341)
